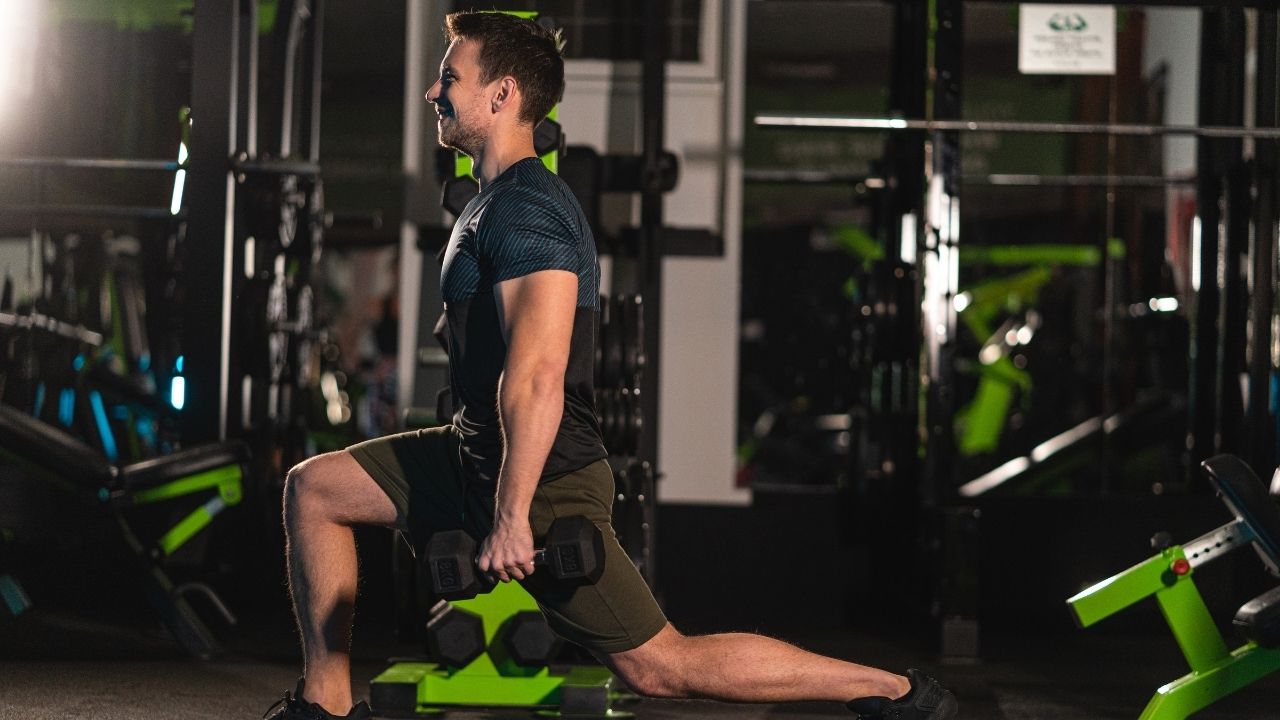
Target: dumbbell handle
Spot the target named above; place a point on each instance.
(567, 556)
(569, 562)
(540, 558)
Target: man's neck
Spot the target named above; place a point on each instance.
(501, 152)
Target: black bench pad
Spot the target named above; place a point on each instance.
(160, 470)
(52, 448)
(1259, 619)
(1249, 500)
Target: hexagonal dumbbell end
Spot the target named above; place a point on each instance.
(529, 641)
(451, 565)
(575, 549)
(457, 192)
(547, 136)
(455, 636)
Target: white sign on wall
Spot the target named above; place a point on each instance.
(1067, 39)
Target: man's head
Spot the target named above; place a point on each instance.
(497, 65)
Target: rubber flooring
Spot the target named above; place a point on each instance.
(56, 666)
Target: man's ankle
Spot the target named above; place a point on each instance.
(899, 688)
(332, 698)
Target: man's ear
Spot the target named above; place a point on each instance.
(506, 93)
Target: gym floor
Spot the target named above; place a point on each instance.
(56, 665)
(91, 648)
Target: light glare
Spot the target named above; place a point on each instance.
(179, 181)
(18, 45)
(178, 392)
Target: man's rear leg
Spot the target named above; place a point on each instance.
(742, 667)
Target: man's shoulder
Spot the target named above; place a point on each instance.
(531, 197)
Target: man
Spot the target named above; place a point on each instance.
(520, 284)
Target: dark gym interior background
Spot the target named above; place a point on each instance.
(892, 389)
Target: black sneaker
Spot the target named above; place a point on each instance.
(294, 707)
(927, 700)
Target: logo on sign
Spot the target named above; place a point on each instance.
(1067, 22)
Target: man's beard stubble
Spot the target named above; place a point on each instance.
(461, 137)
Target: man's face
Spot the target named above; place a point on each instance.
(460, 99)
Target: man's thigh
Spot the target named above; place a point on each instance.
(616, 613)
(421, 472)
(337, 486)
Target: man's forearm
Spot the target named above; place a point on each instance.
(531, 407)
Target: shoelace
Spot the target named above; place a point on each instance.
(287, 700)
(311, 711)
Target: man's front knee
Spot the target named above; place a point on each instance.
(334, 488)
(303, 487)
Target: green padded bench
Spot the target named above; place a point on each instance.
(213, 472)
(1216, 670)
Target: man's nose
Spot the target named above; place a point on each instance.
(433, 92)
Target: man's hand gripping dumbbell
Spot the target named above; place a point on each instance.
(574, 552)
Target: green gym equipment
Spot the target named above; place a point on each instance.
(1216, 670)
(485, 668)
(980, 424)
(208, 477)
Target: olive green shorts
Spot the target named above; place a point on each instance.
(422, 472)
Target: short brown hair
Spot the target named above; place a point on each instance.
(523, 49)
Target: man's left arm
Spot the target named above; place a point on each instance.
(537, 312)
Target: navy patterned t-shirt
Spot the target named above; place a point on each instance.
(525, 221)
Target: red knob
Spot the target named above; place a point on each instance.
(1181, 566)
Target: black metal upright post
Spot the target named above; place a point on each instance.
(904, 151)
(883, 501)
(310, 142)
(246, 147)
(294, 14)
(650, 251)
(1218, 33)
(1260, 421)
(247, 113)
(1233, 313)
(300, 113)
(954, 563)
(211, 218)
(939, 248)
(903, 215)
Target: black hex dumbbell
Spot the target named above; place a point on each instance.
(457, 192)
(529, 641)
(455, 636)
(547, 136)
(574, 552)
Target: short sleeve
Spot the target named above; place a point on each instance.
(525, 232)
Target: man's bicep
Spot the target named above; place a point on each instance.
(537, 312)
